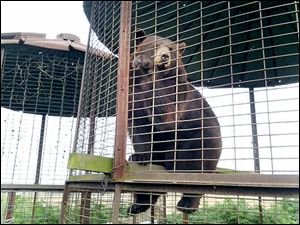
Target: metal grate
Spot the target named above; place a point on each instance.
(96, 125)
(228, 44)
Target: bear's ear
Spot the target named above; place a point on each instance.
(181, 48)
(140, 36)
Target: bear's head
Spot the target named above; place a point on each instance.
(155, 54)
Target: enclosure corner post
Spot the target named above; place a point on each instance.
(11, 199)
(64, 204)
(122, 92)
(116, 204)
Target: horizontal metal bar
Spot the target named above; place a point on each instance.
(245, 180)
(31, 187)
(244, 184)
(186, 188)
(162, 181)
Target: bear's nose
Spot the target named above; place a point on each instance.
(165, 58)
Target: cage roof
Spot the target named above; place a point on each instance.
(39, 75)
(63, 42)
(254, 54)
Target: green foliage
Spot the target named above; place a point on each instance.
(233, 212)
(44, 213)
(229, 211)
(286, 212)
(100, 214)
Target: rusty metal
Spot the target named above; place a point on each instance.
(11, 200)
(64, 204)
(116, 204)
(164, 209)
(122, 91)
(85, 205)
(33, 207)
(185, 218)
(152, 214)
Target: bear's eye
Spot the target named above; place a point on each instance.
(165, 57)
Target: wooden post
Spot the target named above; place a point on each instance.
(122, 91)
(11, 200)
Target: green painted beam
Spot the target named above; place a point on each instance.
(87, 177)
(93, 163)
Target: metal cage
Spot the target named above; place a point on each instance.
(144, 141)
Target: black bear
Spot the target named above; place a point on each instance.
(170, 123)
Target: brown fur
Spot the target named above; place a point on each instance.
(161, 99)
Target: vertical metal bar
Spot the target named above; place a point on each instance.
(164, 221)
(202, 84)
(85, 206)
(12, 195)
(86, 195)
(33, 208)
(64, 204)
(82, 83)
(39, 161)
(232, 81)
(122, 91)
(152, 213)
(134, 219)
(185, 219)
(40, 152)
(297, 17)
(177, 83)
(11, 200)
(116, 206)
(254, 131)
(255, 146)
(153, 86)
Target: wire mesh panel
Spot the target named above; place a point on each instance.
(213, 83)
(27, 209)
(96, 125)
(250, 45)
(220, 209)
(97, 111)
(39, 98)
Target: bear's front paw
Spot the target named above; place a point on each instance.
(136, 209)
(188, 204)
(141, 158)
